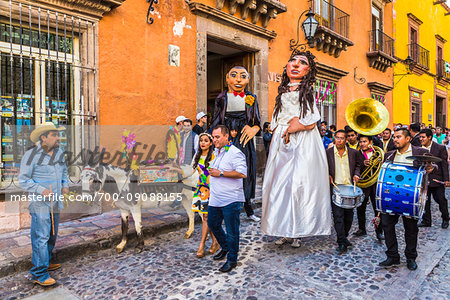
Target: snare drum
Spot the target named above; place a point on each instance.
(347, 196)
(402, 190)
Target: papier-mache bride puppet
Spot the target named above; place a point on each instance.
(296, 191)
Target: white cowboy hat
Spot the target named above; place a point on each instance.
(43, 128)
(200, 115)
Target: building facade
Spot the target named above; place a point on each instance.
(422, 76)
(136, 62)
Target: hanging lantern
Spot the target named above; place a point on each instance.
(310, 26)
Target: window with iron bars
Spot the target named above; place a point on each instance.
(48, 63)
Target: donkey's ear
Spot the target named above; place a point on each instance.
(90, 159)
(84, 156)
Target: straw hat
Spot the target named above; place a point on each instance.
(43, 128)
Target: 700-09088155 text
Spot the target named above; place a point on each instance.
(139, 196)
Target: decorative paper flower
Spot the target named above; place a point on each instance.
(128, 140)
(249, 100)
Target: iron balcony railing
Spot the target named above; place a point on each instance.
(331, 17)
(419, 55)
(442, 69)
(380, 41)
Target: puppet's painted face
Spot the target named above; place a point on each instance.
(204, 193)
(297, 67)
(237, 79)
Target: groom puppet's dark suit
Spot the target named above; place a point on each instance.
(236, 121)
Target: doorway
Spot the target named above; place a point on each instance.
(440, 112)
(220, 59)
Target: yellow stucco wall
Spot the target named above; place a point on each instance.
(434, 23)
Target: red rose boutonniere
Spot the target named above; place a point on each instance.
(249, 100)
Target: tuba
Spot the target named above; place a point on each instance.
(370, 175)
(368, 117)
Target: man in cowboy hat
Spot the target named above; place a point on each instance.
(43, 174)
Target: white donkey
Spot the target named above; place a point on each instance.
(131, 197)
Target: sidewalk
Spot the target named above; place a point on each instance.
(90, 234)
(79, 237)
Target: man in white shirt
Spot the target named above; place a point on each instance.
(227, 172)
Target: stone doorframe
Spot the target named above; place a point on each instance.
(237, 38)
(442, 94)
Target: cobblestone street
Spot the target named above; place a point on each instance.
(168, 269)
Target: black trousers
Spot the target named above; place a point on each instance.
(343, 219)
(411, 231)
(369, 194)
(438, 193)
(248, 207)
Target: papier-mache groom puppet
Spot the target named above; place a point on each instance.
(237, 108)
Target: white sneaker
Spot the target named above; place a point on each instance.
(282, 241)
(254, 218)
(296, 243)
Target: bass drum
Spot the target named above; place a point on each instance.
(402, 190)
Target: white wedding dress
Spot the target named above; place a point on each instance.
(296, 189)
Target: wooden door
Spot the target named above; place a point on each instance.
(440, 117)
(376, 28)
(414, 50)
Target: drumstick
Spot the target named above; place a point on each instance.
(441, 182)
(354, 187)
(336, 187)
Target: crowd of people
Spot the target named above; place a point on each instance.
(440, 135)
(306, 159)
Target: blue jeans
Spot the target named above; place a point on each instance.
(230, 214)
(42, 239)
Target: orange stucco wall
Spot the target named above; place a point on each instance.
(137, 85)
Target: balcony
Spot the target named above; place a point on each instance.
(381, 50)
(258, 9)
(332, 33)
(420, 57)
(443, 71)
(248, 15)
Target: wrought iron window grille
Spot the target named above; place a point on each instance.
(48, 66)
